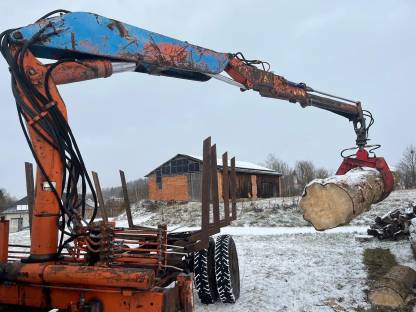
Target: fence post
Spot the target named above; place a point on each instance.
(100, 197)
(30, 189)
(126, 199)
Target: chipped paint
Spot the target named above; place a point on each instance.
(119, 41)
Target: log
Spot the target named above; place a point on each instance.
(334, 201)
(394, 290)
(412, 236)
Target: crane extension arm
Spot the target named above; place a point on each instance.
(89, 36)
(88, 46)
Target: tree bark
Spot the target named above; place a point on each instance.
(334, 201)
(393, 289)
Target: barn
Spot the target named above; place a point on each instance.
(179, 179)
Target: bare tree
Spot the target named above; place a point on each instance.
(275, 163)
(305, 173)
(136, 189)
(321, 173)
(295, 179)
(288, 186)
(5, 199)
(407, 167)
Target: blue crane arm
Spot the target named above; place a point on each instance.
(85, 35)
(88, 36)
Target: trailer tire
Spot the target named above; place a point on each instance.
(226, 269)
(204, 274)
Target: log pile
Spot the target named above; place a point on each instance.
(328, 203)
(395, 289)
(393, 225)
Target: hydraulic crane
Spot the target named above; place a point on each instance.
(73, 264)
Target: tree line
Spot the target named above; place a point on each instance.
(294, 178)
(137, 190)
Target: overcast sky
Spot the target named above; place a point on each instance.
(364, 50)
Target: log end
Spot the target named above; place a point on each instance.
(395, 288)
(386, 297)
(326, 206)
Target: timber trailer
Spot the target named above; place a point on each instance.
(79, 265)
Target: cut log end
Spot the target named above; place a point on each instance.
(386, 297)
(394, 289)
(335, 201)
(320, 199)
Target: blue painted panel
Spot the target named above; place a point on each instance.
(82, 34)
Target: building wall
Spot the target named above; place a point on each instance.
(14, 217)
(246, 180)
(173, 188)
(176, 188)
(268, 186)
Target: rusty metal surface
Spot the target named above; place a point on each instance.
(210, 194)
(126, 199)
(100, 197)
(186, 295)
(46, 209)
(265, 82)
(226, 188)
(214, 187)
(69, 36)
(233, 185)
(4, 239)
(74, 298)
(206, 191)
(75, 71)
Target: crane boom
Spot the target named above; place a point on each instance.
(82, 35)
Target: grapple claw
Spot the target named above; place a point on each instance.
(363, 159)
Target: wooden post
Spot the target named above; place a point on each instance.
(100, 196)
(279, 186)
(254, 191)
(30, 188)
(226, 188)
(126, 199)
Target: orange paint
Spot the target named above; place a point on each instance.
(4, 239)
(70, 72)
(46, 207)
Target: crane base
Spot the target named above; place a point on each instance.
(94, 299)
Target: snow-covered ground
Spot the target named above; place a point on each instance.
(305, 271)
(287, 266)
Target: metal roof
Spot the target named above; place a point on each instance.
(240, 166)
